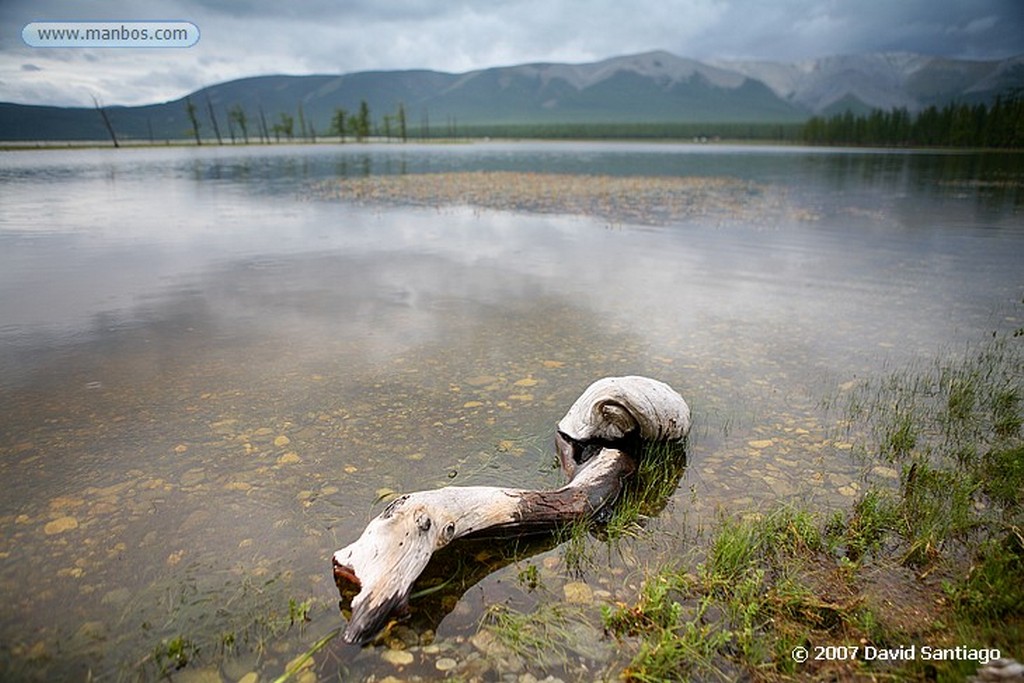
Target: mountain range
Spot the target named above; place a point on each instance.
(649, 88)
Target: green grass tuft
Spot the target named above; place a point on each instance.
(785, 578)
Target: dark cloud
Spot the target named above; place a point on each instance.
(795, 29)
(249, 37)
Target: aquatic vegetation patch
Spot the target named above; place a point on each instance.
(934, 562)
(645, 200)
(759, 593)
(530, 635)
(659, 470)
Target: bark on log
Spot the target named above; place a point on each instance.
(384, 562)
(396, 545)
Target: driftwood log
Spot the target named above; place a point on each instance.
(623, 411)
(598, 441)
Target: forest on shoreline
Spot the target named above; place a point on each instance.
(999, 125)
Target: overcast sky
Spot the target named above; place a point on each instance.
(256, 37)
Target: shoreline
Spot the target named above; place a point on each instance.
(43, 145)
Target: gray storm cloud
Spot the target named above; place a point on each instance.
(257, 38)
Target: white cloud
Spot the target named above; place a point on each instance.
(981, 25)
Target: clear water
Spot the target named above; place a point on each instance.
(210, 372)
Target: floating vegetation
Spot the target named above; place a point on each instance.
(645, 200)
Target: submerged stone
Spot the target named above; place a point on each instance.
(886, 472)
(299, 664)
(289, 458)
(64, 502)
(398, 657)
(193, 477)
(116, 597)
(578, 592)
(205, 675)
(60, 525)
(102, 508)
(445, 664)
(91, 631)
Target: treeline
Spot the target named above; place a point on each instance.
(996, 125)
(999, 125)
(360, 125)
(700, 132)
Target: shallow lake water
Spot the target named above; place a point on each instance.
(213, 369)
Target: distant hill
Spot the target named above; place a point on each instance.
(649, 88)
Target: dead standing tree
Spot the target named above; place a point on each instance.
(106, 120)
(213, 120)
(190, 109)
(598, 442)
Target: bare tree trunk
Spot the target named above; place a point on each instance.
(263, 126)
(190, 109)
(213, 120)
(106, 121)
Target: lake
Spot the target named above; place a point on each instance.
(217, 363)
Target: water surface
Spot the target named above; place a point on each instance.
(211, 370)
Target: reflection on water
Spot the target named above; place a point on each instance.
(208, 376)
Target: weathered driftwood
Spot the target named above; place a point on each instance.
(621, 411)
(396, 546)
